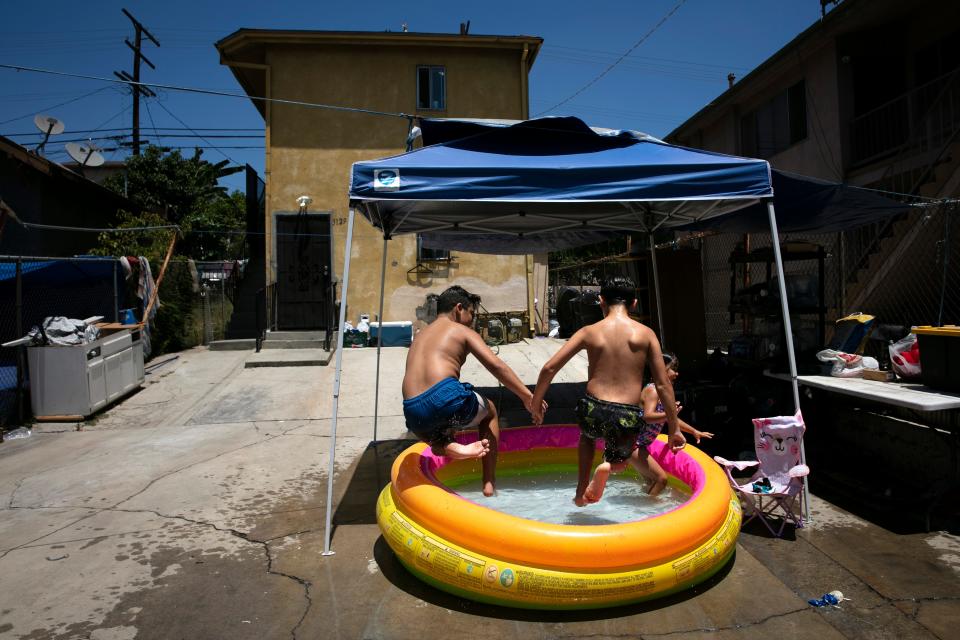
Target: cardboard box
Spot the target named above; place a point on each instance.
(882, 376)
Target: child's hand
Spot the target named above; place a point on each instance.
(702, 434)
(676, 441)
(536, 413)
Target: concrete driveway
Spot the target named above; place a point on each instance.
(195, 509)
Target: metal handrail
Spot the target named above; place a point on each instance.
(334, 316)
(264, 323)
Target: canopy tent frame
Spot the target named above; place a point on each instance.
(666, 191)
(784, 305)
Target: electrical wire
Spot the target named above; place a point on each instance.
(33, 133)
(211, 92)
(60, 104)
(162, 106)
(57, 227)
(618, 60)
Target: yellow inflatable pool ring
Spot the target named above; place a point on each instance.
(469, 550)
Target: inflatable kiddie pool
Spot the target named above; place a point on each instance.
(475, 552)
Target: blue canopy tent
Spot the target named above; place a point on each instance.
(543, 184)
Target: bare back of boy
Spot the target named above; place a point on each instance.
(439, 352)
(617, 348)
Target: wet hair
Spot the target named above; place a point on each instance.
(457, 295)
(618, 290)
(671, 361)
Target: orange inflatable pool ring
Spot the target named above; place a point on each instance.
(469, 550)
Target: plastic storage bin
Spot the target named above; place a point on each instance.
(395, 334)
(940, 356)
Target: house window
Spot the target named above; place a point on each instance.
(425, 254)
(431, 88)
(775, 125)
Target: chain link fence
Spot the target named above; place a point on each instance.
(907, 274)
(32, 289)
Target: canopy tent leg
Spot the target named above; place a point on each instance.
(376, 385)
(336, 382)
(656, 291)
(788, 333)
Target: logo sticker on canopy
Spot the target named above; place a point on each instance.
(386, 180)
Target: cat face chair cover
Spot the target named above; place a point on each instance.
(779, 474)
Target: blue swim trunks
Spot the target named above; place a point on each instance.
(446, 407)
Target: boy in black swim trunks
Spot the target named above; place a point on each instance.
(618, 349)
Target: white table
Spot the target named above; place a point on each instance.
(910, 395)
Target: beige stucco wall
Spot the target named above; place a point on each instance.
(310, 152)
(819, 154)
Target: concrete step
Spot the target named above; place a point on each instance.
(295, 335)
(292, 344)
(289, 358)
(241, 344)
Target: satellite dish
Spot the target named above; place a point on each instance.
(49, 126)
(85, 154)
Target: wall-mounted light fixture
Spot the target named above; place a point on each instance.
(303, 202)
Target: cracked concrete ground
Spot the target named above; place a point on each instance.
(195, 509)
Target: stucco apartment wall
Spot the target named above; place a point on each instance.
(311, 152)
(819, 154)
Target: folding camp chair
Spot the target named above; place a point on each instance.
(779, 477)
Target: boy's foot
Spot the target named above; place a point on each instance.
(579, 500)
(489, 489)
(595, 489)
(656, 487)
(459, 451)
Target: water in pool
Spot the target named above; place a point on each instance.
(549, 498)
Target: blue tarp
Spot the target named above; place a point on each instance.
(548, 176)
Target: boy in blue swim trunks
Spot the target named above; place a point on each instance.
(436, 404)
(618, 348)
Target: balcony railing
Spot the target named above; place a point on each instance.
(923, 118)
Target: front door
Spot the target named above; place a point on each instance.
(303, 272)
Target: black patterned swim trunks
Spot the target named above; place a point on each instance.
(618, 424)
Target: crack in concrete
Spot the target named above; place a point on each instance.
(732, 627)
(887, 600)
(192, 464)
(16, 488)
(86, 539)
(265, 545)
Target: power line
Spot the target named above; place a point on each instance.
(210, 92)
(725, 67)
(33, 133)
(618, 60)
(162, 106)
(32, 113)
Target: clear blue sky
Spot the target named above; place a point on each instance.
(675, 72)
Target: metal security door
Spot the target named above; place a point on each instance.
(303, 272)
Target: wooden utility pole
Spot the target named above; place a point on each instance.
(137, 90)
